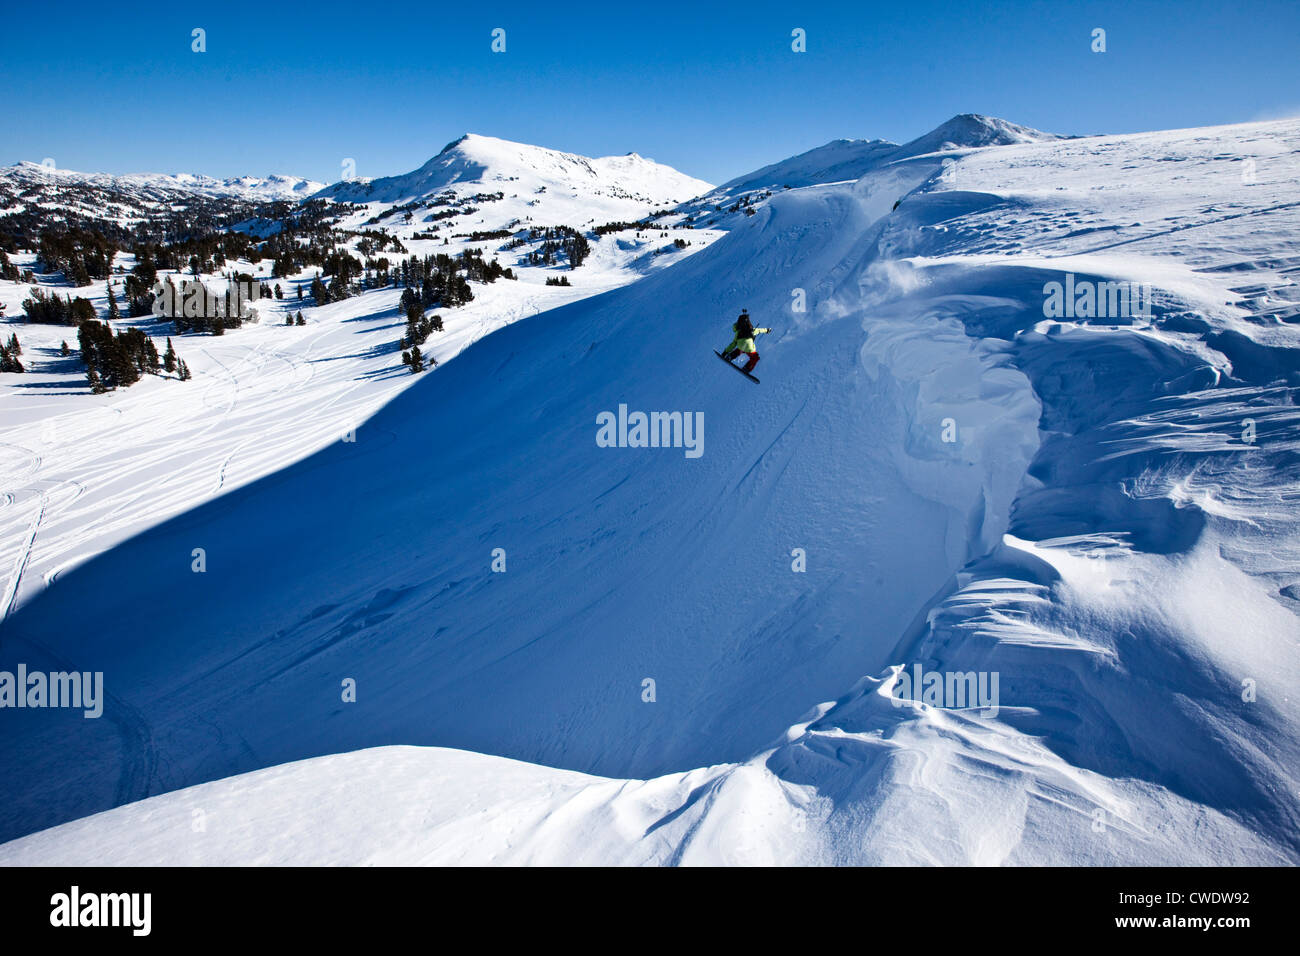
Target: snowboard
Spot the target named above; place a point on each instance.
(736, 367)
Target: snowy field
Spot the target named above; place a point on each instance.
(699, 660)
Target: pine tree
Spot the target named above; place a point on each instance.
(113, 313)
(184, 370)
(417, 360)
(63, 349)
(169, 357)
(288, 318)
(300, 320)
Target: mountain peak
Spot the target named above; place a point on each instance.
(538, 183)
(972, 131)
(454, 143)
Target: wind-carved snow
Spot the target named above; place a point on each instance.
(1106, 534)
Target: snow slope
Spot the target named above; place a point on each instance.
(836, 162)
(80, 472)
(1099, 535)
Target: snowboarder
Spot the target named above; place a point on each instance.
(744, 341)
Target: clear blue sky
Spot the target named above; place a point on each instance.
(713, 89)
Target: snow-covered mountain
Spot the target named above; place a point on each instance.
(845, 159)
(635, 654)
(506, 185)
(973, 131)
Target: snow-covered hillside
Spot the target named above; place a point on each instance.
(686, 659)
(836, 162)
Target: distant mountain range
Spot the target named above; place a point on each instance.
(34, 197)
(259, 189)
